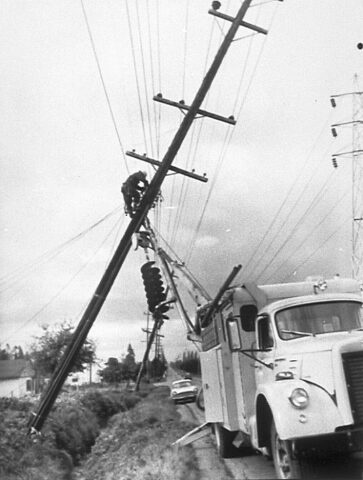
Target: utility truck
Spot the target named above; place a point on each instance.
(282, 370)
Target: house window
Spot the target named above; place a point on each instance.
(29, 385)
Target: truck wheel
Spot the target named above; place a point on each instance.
(224, 439)
(286, 466)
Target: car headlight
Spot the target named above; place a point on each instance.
(299, 398)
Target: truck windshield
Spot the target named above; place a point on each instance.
(318, 318)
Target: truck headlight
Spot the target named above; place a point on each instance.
(299, 398)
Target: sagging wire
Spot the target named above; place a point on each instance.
(293, 272)
(93, 47)
(50, 254)
(60, 291)
(307, 236)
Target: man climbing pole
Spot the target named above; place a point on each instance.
(132, 191)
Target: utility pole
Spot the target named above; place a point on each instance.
(356, 155)
(79, 337)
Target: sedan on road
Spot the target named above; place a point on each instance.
(183, 391)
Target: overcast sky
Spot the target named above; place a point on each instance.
(77, 82)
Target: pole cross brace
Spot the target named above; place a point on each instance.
(255, 28)
(181, 105)
(191, 174)
(195, 434)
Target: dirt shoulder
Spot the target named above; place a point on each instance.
(137, 445)
(211, 466)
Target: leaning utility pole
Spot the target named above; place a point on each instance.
(38, 418)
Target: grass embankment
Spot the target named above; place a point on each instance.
(137, 445)
(67, 436)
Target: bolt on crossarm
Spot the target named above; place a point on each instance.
(37, 420)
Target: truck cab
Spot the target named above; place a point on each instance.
(282, 370)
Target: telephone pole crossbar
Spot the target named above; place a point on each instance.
(144, 158)
(181, 105)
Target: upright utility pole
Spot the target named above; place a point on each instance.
(356, 155)
(100, 295)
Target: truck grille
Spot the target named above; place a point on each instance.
(353, 368)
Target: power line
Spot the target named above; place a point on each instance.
(287, 216)
(64, 287)
(144, 76)
(136, 73)
(228, 138)
(19, 273)
(298, 222)
(317, 249)
(103, 83)
(308, 235)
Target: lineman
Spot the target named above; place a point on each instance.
(132, 191)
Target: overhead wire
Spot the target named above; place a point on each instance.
(193, 156)
(316, 250)
(180, 261)
(299, 222)
(193, 146)
(277, 214)
(308, 235)
(21, 272)
(159, 74)
(141, 111)
(146, 92)
(183, 83)
(227, 139)
(64, 287)
(93, 47)
(280, 231)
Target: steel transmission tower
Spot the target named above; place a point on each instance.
(356, 155)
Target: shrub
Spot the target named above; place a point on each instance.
(68, 434)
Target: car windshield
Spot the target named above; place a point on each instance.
(183, 384)
(318, 318)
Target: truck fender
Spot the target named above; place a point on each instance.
(321, 416)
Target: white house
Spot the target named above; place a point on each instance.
(17, 378)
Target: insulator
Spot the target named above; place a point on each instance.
(333, 102)
(335, 163)
(216, 5)
(154, 287)
(334, 132)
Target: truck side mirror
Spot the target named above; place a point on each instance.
(248, 314)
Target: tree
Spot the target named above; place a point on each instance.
(189, 363)
(112, 372)
(129, 366)
(48, 349)
(14, 353)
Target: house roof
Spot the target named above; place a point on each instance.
(15, 369)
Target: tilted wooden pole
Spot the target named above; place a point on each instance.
(38, 418)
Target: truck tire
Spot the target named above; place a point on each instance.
(286, 466)
(224, 439)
